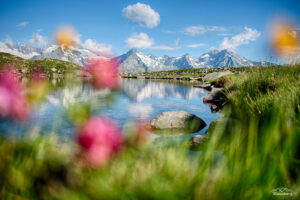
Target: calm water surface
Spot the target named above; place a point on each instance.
(136, 100)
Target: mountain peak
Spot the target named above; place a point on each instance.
(187, 55)
(214, 51)
(227, 51)
(132, 51)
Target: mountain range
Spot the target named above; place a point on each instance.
(133, 60)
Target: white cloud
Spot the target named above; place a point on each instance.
(38, 40)
(22, 24)
(224, 34)
(143, 14)
(240, 39)
(198, 30)
(141, 40)
(9, 42)
(165, 47)
(196, 45)
(99, 49)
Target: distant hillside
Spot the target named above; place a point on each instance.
(51, 67)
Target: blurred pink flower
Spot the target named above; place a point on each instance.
(99, 138)
(104, 72)
(13, 102)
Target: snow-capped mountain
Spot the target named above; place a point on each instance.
(23, 51)
(133, 60)
(76, 55)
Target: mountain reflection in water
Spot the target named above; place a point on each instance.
(136, 100)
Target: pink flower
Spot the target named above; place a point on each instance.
(104, 72)
(13, 102)
(100, 139)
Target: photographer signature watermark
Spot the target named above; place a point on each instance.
(282, 192)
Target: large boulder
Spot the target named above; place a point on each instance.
(177, 122)
(216, 75)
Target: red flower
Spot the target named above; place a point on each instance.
(99, 139)
(104, 72)
(13, 102)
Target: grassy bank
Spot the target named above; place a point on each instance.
(53, 68)
(186, 74)
(251, 153)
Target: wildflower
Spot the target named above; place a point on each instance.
(285, 39)
(104, 72)
(100, 139)
(12, 100)
(66, 37)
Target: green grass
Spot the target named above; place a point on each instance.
(252, 150)
(196, 73)
(52, 67)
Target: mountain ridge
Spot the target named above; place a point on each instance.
(141, 62)
(134, 60)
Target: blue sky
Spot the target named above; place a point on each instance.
(169, 27)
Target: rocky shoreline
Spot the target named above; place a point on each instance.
(180, 120)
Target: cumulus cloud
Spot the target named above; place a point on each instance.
(198, 30)
(165, 47)
(9, 42)
(143, 14)
(196, 45)
(22, 24)
(97, 48)
(143, 41)
(240, 39)
(38, 40)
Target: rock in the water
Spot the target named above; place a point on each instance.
(215, 96)
(197, 140)
(206, 86)
(216, 75)
(214, 107)
(178, 121)
(216, 99)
